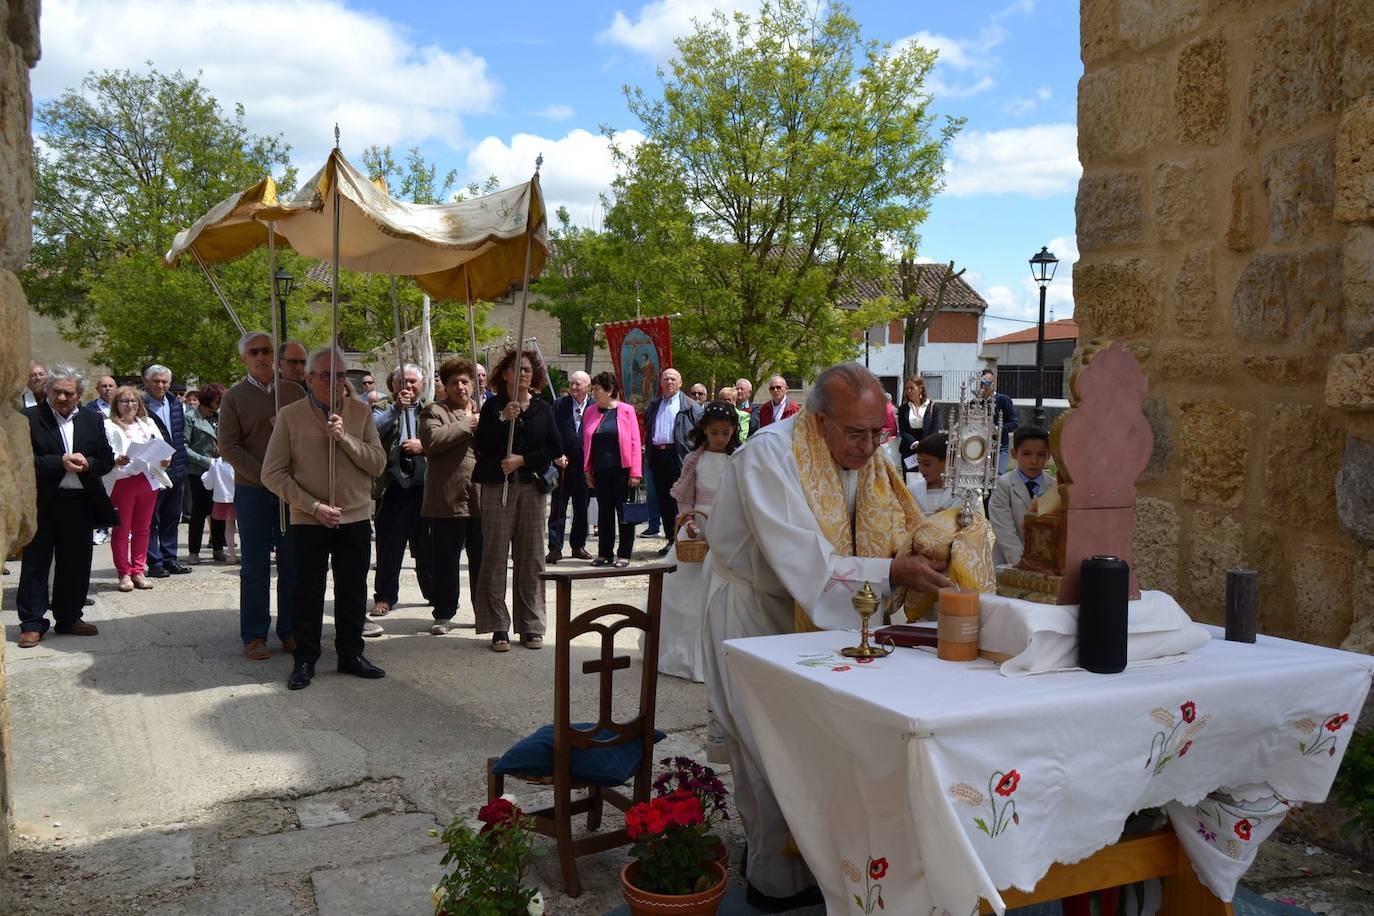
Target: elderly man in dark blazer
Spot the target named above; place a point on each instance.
(70, 455)
(667, 421)
(572, 485)
(167, 412)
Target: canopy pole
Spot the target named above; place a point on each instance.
(218, 292)
(276, 338)
(400, 361)
(472, 335)
(520, 334)
(333, 320)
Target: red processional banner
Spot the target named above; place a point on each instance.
(641, 349)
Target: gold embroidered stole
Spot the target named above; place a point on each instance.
(885, 512)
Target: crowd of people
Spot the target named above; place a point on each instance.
(292, 467)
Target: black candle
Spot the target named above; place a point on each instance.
(1102, 615)
(1242, 604)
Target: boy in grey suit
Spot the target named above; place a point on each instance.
(1012, 495)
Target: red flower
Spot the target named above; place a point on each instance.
(1189, 711)
(1334, 723)
(840, 668)
(1183, 750)
(1243, 828)
(1008, 783)
(877, 868)
(497, 813)
(863, 661)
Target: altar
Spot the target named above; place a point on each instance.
(918, 786)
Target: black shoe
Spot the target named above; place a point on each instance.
(176, 568)
(664, 551)
(809, 897)
(553, 556)
(301, 676)
(157, 572)
(360, 666)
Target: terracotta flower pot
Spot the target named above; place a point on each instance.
(723, 856)
(644, 903)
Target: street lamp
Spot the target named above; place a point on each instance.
(1042, 270)
(282, 281)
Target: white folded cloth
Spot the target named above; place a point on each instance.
(1044, 637)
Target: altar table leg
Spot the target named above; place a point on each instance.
(1154, 855)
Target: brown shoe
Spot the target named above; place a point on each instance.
(379, 609)
(257, 650)
(80, 628)
(141, 583)
(288, 644)
(29, 638)
(581, 554)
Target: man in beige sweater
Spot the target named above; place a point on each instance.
(327, 528)
(246, 414)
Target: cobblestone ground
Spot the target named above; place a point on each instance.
(158, 771)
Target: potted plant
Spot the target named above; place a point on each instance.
(674, 870)
(701, 781)
(488, 876)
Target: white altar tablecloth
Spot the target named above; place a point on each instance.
(930, 783)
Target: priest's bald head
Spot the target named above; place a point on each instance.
(851, 406)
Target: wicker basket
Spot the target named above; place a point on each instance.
(693, 551)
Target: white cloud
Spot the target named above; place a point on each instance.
(577, 167)
(661, 22)
(557, 112)
(1024, 105)
(968, 66)
(297, 67)
(1038, 161)
(1021, 300)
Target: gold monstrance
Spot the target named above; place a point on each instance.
(865, 602)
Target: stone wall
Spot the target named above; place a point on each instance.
(18, 52)
(1226, 224)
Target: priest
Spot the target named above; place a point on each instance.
(821, 511)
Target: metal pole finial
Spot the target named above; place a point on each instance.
(538, 163)
(336, 134)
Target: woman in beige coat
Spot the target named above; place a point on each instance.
(451, 501)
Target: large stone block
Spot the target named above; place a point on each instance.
(1361, 638)
(1098, 31)
(1123, 109)
(1195, 292)
(1266, 545)
(1242, 228)
(1214, 441)
(1116, 298)
(1161, 428)
(1290, 296)
(1286, 371)
(1355, 491)
(1201, 103)
(1109, 210)
(1302, 453)
(1146, 23)
(1199, 365)
(1355, 26)
(1357, 265)
(16, 158)
(1182, 208)
(22, 28)
(1322, 581)
(1299, 181)
(1296, 72)
(1354, 178)
(1217, 544)
(1155, 544)
(1350, 381)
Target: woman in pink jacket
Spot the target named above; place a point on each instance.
(611, 447)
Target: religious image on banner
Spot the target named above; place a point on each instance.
(640, 349)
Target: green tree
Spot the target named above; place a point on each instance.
(125, 161)
(783, 158)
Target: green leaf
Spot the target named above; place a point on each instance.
(982, 825)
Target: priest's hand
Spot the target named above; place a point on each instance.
(919, 573)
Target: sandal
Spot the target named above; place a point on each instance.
(622, 563)
(601, 561)
(532, 641)
(379, 609)
(500, 642)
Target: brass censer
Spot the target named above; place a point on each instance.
(865, 603)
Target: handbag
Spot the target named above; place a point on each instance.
(635, 511)
(546, 481)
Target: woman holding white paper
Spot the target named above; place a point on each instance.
(132, 485)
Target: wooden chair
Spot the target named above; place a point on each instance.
(607, 620)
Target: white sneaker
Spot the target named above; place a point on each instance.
(100, 536)
(441, 627)
(372, 629)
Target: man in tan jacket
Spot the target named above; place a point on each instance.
(451, 495)
(327, 528)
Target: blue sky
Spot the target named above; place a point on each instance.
(483, 88)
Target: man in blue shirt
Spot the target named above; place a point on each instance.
(1004, 412)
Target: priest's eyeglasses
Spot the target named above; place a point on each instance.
(861, 436)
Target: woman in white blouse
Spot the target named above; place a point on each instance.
(917, 418)
(132, 485)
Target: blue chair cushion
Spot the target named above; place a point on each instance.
(602, 766)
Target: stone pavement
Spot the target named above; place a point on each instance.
(158, 771)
